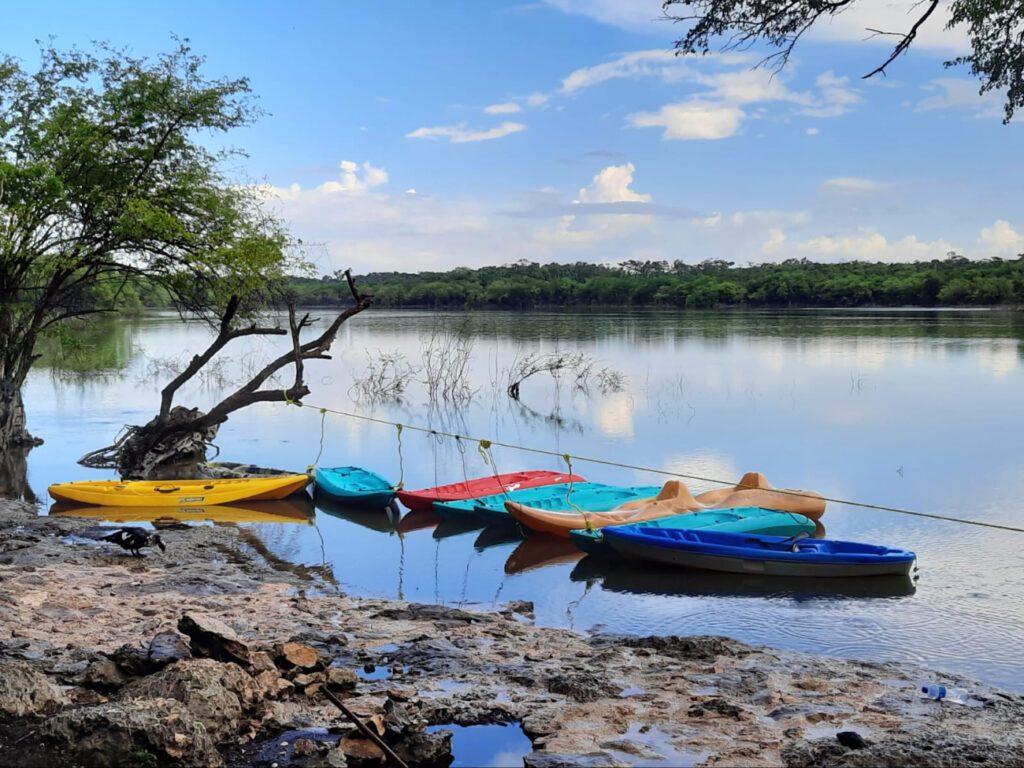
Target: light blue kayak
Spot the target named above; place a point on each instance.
(753, 520)
(592, 497)
(355, 486)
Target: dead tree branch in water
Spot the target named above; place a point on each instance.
(180, 435)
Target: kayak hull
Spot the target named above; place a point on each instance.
(741, 520)
(355, 486)
(767, 555)
(560, 496)
(177, 493)
(424, 499)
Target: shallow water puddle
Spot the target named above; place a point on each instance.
(487, 746)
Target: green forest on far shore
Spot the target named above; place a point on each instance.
(954, 281)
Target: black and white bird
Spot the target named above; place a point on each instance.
(133, 539)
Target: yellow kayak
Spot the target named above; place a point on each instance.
(177, 493)
(292, 510)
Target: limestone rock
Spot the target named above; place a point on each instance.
(340, 679)
(220, 696)
(544, 759)
(121, 733)
(26, 691)
(168, 647)
(272, 685)
(213, 638)
(104, 675)
(299, 656)
(582, 686)
(360, 752)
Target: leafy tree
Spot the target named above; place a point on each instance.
(995, 29)
(103, 181)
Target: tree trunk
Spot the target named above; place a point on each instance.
(14, 475)
(12, 418)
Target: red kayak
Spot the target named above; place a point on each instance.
(484, 486)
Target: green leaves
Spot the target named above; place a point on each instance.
(104, 175)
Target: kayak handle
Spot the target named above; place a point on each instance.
(172, 489)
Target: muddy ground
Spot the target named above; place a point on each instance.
(210, 654)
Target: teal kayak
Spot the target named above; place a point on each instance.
(592, 497)
(737, 520)
(355, 486)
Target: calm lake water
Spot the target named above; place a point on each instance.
(914, 409)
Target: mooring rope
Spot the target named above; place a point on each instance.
(485, 445)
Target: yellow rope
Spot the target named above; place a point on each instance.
(311, 469)
(568, 494)
(401, 462)
(485, 446)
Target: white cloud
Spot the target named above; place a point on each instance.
(350, 181)
(461, 134)
(813, 131)
(854, 22)
(631, 15)
(851, 185)
(537, 99)
(708, 222)
(836, 97)
(694, 119)
(505, 108)
(957, 93)
(658, 62)
(612, 185)
(866, 245)
(1001, 240)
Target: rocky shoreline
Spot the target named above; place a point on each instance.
(212, 655)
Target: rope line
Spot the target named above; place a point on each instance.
(485, 445)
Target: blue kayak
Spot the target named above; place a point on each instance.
(354, 485)
(737, 520)
(593, 497)
(748, 553)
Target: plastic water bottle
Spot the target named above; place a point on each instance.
(942, 693)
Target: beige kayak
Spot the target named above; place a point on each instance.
(675, 499)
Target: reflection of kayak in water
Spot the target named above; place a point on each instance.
(456, 527)
(540, 551)
(638, 578)
(496, 535)
(295, 509)
(385, 519)
(417, 520)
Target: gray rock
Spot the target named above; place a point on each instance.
(220, 696)
(104, 675)
(168, 647)
(935, 749)
(26, 691)
(582, 686)
(213, 638)
(123, 733)
(544, 759)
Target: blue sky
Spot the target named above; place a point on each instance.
(417, 136)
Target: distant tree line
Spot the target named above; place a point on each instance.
(954, 281)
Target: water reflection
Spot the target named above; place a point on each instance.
(297, 508)
(14, 475)
(639, 578)
(916, 409)
(541, 551)
(385, 520)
